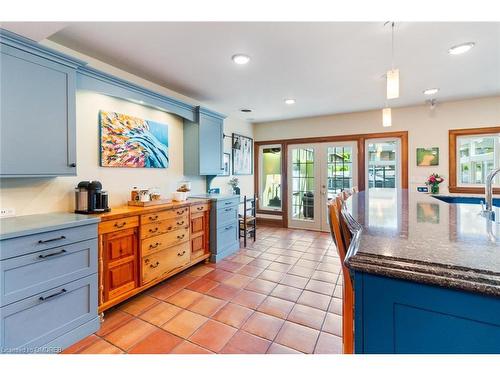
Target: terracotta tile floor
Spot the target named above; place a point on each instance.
(282, 294)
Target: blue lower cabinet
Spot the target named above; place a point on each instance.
(398, 316)
(224, 236)
(48, 282)
(32, 323)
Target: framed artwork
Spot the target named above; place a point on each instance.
(132, 142)
(427, 157)
(242, 154)
(227, 164)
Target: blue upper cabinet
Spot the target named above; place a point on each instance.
(37, 110)
(203, 144)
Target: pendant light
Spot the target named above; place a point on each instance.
(386, 117)
(393, 74)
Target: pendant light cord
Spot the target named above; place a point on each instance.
(392, 45)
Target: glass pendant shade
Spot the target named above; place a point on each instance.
(393, 84)
(386, 117)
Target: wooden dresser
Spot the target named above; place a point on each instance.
(142, 246)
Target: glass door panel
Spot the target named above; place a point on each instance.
(270, 178)
(303, 187)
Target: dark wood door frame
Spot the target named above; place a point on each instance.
(358, 138)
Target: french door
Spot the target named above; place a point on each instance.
(316, 173)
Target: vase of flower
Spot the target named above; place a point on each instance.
(433, 181)
(233, 182)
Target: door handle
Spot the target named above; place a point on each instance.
(53, 295)
(43, 256)
(52, 239)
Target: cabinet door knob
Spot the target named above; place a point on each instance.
(72, 165)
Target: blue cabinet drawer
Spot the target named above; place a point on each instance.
(227, 215)
(227, 235)
(30, 274)
(18, 246)
(38, 320)
(222, 203)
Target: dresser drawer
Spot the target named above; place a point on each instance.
(119, 224)
(199, 208)
(227, 215)
(163, 241)
(228, 202)
(18, 246)
(163, 215)
(227, 235)
(158, 264)
(37, 320)
(30, 274)
(164, 226)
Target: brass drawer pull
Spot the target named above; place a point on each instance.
(199, 208)
(53, 295)
(153, 230)
(154, 265)
(42, 256)
(153, 218)
(181, 223)
(181, 254)
(52, 239)
(181, 237)
(180, 212)
(120, 225)
(169, 228)
(155, 245)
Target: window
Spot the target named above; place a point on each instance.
(474, 153)
(382, 164)
(270, 177)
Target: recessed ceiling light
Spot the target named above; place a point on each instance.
(246, 110)
(289, 101)
(431, 91)
(461, 48)
(240, 59)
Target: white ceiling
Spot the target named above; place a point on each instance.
(327, 67)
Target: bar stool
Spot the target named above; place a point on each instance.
(342, 238)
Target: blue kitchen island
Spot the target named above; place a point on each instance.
(426, 274)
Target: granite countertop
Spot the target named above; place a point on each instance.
(417, 237)
(32, 224)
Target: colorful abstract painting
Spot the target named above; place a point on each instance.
(132, 142)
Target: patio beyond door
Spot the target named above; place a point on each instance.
(316, 173)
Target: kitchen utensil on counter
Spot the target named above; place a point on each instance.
(90, 198)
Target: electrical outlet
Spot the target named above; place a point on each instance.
(7, 212)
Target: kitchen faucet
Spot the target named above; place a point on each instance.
(488, 206)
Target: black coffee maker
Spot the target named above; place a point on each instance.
(90, 198)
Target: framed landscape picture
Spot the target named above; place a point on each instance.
(242, 154)
(132, 142)
(427, 157)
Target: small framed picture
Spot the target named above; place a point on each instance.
(227, 164)
(427, 157)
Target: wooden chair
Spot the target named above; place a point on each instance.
(348, 295)
(248, 220)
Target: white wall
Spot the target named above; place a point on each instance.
(426, 128)
(39, 195)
